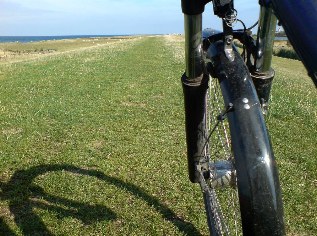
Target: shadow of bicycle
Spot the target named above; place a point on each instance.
(21, 193)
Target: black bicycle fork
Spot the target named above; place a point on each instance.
(195, 80)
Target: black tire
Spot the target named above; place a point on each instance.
(251, 203)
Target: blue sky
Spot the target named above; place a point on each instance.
(106, 17)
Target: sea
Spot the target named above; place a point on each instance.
(27, 39)
(281, 38)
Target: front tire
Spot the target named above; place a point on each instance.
(243, 197)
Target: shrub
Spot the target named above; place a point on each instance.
(286, 53)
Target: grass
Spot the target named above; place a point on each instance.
(92, 141)
(293, 129)
(15, 51)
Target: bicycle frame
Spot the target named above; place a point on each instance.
(299, 21)
(296, 18)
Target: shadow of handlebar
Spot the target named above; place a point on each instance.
(19, 192)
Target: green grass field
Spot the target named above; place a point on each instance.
(92, 140)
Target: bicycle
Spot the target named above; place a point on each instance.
(226, 96)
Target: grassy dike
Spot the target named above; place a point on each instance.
(92, 142)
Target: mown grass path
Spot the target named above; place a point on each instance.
(92, 143)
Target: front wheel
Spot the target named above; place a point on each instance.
(239, 178)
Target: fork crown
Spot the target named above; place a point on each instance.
(265, 3)
(194, 7)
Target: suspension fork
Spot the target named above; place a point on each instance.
(195, 84)
(262, 73)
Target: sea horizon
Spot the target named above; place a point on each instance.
(27, 39)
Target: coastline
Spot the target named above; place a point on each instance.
(17, 51)
(29, 39)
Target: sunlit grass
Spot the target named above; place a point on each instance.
(16, 51)
(293, 123)
(92, 142)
